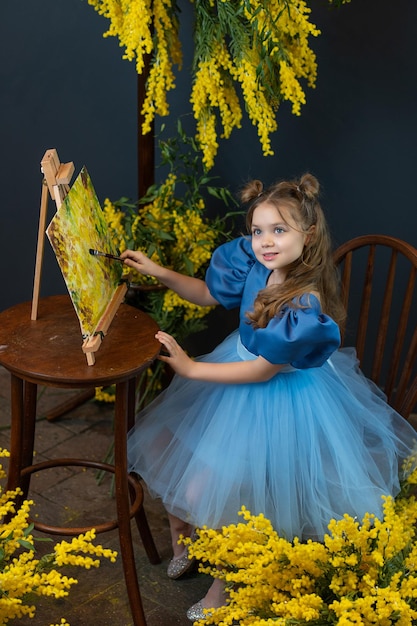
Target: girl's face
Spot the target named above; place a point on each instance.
(276, 242)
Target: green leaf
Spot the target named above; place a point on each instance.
(28, 530)
(163, 235)
(188, 265)
(26, 544)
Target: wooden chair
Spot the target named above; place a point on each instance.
(378, 281)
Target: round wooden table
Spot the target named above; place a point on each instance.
(47, 351)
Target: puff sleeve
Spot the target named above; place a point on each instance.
(228, 270)
(302, 337)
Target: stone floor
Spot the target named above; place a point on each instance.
(73, 496)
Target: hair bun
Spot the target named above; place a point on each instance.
(251, 190)
(309, 186)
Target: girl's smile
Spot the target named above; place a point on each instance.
(276, 242)
(269, 256)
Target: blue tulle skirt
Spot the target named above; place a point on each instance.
(303, 448)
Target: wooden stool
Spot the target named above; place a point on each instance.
(48, 352)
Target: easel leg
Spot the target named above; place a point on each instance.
(39, 251)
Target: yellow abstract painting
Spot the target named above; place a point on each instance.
(78, 227)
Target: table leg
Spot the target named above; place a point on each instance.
(123, 503)
(140, 517)
(16, 433)
(28, 443)
(22, 437)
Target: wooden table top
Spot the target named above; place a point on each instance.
(48, 350)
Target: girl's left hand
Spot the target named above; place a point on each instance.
(177, 359)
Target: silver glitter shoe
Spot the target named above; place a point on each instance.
(179, 567)
(197, 612)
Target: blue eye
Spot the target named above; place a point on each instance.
(279, 229)
(256, 231)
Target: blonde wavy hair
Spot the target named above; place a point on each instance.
(314, 271)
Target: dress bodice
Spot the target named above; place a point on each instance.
(302, 336)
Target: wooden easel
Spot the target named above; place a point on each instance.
(56, 180)
(92, 344)
(57, 177)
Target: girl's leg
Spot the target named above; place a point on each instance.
(178, 527)
(180, 563)
(215, 596)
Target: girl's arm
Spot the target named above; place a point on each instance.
(192, 289)
(255, 371)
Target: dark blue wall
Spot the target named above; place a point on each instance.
(63, 86)
(358, 131)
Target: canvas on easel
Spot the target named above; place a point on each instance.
(77, 227)
(93, 282)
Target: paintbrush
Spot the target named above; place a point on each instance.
(107, 255)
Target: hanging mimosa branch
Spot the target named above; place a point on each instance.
(258, 50)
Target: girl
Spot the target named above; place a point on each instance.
(275, 418)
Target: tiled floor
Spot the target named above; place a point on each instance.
(72, 496)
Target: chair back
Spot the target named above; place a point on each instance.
(378, 282)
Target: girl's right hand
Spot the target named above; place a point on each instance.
(176, 357)
(140, 262)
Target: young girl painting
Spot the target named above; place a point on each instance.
(276, 418)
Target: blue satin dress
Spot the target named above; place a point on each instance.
(313, 443)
